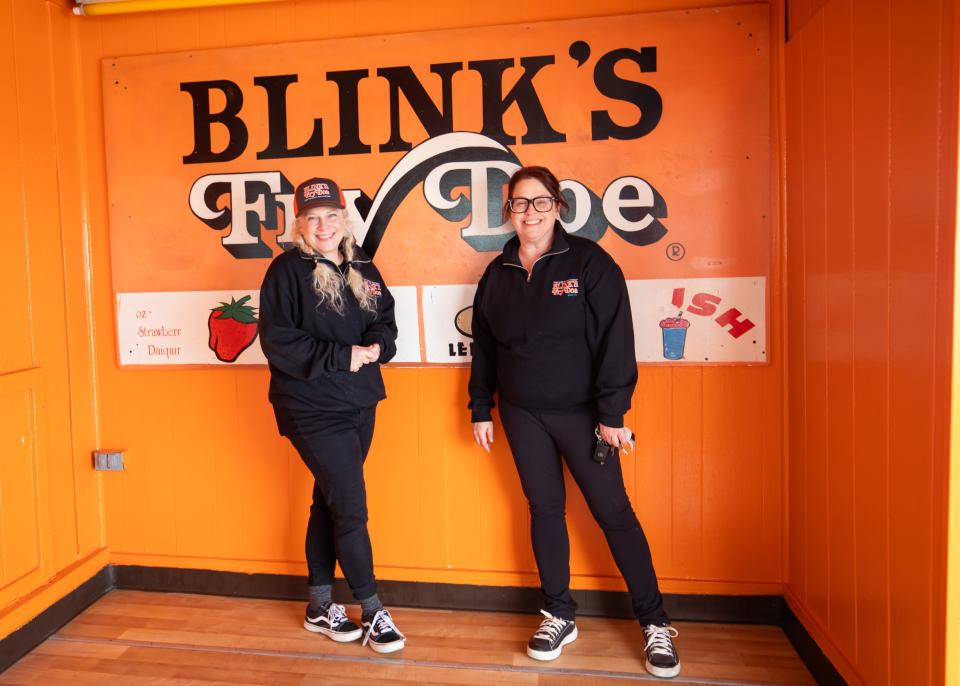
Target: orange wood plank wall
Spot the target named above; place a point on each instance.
(211, 485)
(208, 483)
(51, 533)
(871, 176)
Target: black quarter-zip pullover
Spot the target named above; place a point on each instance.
(308, 345)
(556, 339)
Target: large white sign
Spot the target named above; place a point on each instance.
(189, 327)
(699, 320)
(447, 313)
(694, 321)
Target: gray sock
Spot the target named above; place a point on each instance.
(320, 596)
(370, 606)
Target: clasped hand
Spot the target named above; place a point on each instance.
(363, 354)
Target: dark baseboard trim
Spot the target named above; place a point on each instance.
(761, 609)
(48, 622)
(210, 582)
(758, 609)
(816, 661)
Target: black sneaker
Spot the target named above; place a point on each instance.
(662, 658)
(331, 620)
(382, 634)
(548, 641)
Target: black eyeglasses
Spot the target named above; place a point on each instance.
(542, 203)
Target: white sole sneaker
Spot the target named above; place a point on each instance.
(545, 655)
(339, 637)
(388, 647)
(663, 672)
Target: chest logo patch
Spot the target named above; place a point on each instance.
(566, 287)
(373, 288)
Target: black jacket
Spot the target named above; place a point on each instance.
(308, 345)
(557, 340)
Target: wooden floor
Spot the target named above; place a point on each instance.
(130, 637)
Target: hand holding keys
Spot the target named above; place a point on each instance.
(603, 449)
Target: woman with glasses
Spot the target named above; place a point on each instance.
(553, 338)
(326, 325)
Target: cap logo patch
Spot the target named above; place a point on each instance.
(316, 190)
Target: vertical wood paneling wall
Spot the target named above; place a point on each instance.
(870, 188)
(51, 536)
(870, 146)
(952, 634)
(209, 484)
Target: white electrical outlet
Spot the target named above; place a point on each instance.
(108, 460)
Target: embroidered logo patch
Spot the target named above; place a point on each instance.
(373, 288)
(316, 190)
(566, 287)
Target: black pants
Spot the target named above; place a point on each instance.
(334, 447)
(537, 441)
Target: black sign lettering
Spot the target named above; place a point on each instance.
(349, 83)
(276, 87)
(436, 121)
(523, 93)
(645, 97)
(203, 120)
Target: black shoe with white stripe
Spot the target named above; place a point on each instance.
(331, 620)
(662, 658)
(382, 634)
(554, 633)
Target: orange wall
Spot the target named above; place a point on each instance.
(51, 536)
(871, 154)
(870, 183)
(211, 485)
(208, 483)
(952, 636)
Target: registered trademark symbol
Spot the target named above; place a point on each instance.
(676, 251)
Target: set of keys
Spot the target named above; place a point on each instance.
(603, 449)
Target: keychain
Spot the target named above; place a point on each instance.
(603, 449)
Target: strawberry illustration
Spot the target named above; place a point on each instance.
(233, 327)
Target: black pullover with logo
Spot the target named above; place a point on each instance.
(559, 339)
(308, 345)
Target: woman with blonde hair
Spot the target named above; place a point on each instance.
(326, 325)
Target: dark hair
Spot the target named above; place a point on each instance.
(541, 174)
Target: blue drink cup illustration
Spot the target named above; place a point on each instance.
(674, 336)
